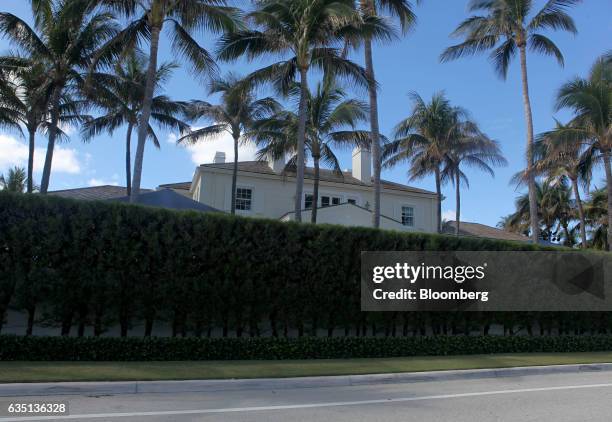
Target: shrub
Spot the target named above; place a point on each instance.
(76, 264)
(194, 348)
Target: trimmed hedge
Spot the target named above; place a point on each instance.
(80, 264)
(193, 348)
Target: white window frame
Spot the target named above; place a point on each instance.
(251, 209)
(312, 202)
(331, 197)
(413, 215)
(352, 198)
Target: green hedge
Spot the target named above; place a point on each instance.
(159, 349)
(79, 264)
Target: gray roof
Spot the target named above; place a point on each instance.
(168, 198)
(178, 185)
(94, 192)
(326, 175)
(482, 230)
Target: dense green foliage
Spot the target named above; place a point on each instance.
(270, 348)
(76, 264)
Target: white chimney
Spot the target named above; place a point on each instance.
(219, 157)
(277, 165)
(362, 165)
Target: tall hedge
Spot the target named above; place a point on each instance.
(77, 264)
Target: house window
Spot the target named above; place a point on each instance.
(326, 201)
(352, 201)
(408, 216)
(308, 200)
(244, 198)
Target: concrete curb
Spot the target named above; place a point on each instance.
(142, 387)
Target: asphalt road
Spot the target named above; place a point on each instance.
(577, 397)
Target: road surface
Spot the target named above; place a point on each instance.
(578, 397)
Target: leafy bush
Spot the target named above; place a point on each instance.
(78, 264)
(34, 348)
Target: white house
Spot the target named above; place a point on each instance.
(265, 190)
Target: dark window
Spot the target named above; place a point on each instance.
(244, 198)
(325, 201)
(308, 199)
(408, 216)
(352, 201)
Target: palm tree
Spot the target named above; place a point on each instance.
(309, 32)
(557, 158)
(424, 138)
(235, 115)
(66, 36)
(473, 148)
(558, 207)
(120, 95)
(596, 212)
(402, 10)
(182, 17)
(28, 101)
(555, 209)
(330, 123)
(504, 29)
(591, 128)
(16, 180)
(9, 100)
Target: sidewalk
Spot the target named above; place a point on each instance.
(141, 387)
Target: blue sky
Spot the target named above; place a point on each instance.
(409, 64)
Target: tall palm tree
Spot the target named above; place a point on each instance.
(311, 33)
(504, 28)
(16, 180)
(182, 18)
(591, 101)
(424, 138)
(28, 101)
(236, 114)
(556, 158)
(469, 147)
(402, 10)
(120, 95)
(330, 123)
(65, 38)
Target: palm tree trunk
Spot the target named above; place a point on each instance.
(609, 190)
(55, 100)
(235, 173)
(580, 212)
(533, 204)
(128, 159)
(299, 176)
(143, 125)
(439, 199)
(375, 131)
(458, 200)
(315, 190)
(31, 145)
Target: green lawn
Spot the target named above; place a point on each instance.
(124, 371)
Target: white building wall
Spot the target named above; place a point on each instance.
(273, 196)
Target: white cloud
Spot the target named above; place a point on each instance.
(14, 152)
(98, 182)
(172, 138)
(448, 215)
(204, 151)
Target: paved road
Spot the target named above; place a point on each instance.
(560, 397)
